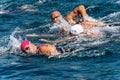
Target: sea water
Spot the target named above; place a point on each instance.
(91, 59)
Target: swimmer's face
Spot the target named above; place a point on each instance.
(55, 16)
(30, 48)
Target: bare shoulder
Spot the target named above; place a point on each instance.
(45, 45)
(47, 49)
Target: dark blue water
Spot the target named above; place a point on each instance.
(93, 59)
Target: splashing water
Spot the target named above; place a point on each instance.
(3, 47)
(112, 17)
(89, 18)
(14, 44)
(63, 23)
(118, 1)
(88, 42)
(11, 44)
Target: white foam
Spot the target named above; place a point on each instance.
(112, 17)
(118, 1)
(28, 7)
(14, 42)
(63, 23)
(41, 1)
(89, 18)
(90, 7)
(112, 29)
(10, 44)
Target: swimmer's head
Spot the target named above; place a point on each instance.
(28, 47)
(76, 29)
(55, 16)
(24, 44)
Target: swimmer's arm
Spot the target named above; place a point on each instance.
(62, 40)
(101, 23)
(90, 24)
(73, 14)
(40, 35)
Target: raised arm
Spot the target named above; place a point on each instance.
(72, 16)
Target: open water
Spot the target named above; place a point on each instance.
(92, 59)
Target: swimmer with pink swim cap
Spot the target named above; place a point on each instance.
(24, 44)
(43, 49)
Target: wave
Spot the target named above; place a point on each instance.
(108, 33)
(85, 47)
(10, 44)
(32, 29)
(118, 1)
(41, 1)
(111, 17)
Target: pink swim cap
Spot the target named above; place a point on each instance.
(24, 44)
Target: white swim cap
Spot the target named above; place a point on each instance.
(76, 29)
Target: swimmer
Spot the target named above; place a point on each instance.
(72, 19)
(43, 49)
(47, 49)
(78, 30)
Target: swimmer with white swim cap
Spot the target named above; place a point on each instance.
(76, 29)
